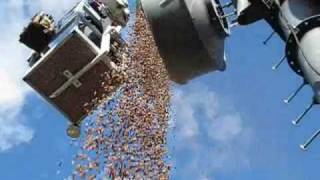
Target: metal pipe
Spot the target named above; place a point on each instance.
(295, 93)
(309, 141)
(276, 66)
(299, 119)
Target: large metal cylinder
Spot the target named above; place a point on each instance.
(300, 24)
(190, 35)
(296, 11)
(309, 59)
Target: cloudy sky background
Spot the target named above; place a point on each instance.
(230, 125)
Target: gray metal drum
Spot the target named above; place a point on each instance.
(309, 59)
(296, 11)
(190, 36)
(302, 45)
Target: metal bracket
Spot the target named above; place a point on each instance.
(75, 82)
(72, 80)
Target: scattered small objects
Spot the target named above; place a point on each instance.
(126, 138)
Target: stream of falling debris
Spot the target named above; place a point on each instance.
(127, 137)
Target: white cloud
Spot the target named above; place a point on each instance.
(56, 7)
(211, 131)
(189, 128)
(227, 128)
(13, 130)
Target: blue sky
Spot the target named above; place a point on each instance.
(228, 126)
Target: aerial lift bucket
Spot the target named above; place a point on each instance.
(190, 35)
(70, 72)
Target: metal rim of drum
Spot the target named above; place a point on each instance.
(292, 46)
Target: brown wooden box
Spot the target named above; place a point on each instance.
(47, 76)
